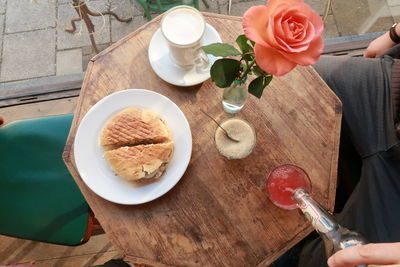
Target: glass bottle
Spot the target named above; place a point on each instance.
(334, 236)
(234, 96)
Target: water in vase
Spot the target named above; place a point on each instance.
(234, 98)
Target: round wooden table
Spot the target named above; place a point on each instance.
(218, 214)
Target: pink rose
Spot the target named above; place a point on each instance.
(286, 32)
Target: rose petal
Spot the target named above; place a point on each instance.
(316, 20)
(308, 57)
(290, 46)
(272, 5)
(291, 35)
(270, 29)
(301, 11)
(273, 24)
(254, 24)
(271, 61)
(313, 18)
(279, 34)
(295, 19)
(288, 42)
(296, 46)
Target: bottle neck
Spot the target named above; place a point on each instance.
(321, 220)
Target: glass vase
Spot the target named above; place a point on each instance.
(234, 97)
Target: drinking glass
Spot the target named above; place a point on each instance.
(183, 27)
(243, 133)
(281, 183)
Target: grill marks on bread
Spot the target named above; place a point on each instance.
(134, 126)
(138, 144)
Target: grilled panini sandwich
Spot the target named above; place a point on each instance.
(138, 144)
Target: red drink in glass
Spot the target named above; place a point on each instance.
(282, 182)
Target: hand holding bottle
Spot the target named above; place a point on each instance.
(371, 254)
(286, 188)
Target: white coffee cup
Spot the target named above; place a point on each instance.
(183, 27)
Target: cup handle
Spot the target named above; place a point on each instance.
(201, 62)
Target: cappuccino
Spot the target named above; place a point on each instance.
(183, 26)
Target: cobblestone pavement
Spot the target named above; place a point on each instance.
(34, 43)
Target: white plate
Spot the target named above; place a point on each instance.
(96, 172)
(166, 69)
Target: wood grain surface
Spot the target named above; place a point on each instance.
(218, 214)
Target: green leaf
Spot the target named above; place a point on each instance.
(257, 86)
(224, 71)
(242, 43)
(221, 50)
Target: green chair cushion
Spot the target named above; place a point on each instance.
(39, 199)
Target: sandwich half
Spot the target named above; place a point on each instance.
(140, 162)
(134, 126)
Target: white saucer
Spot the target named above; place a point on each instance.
(166, 69)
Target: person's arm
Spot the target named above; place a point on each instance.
(379, 46)
(379, 254)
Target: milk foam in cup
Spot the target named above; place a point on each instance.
(183, 27)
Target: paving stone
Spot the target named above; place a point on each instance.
(87, 50)
(90, 54)
(378, 21)
(23, 15)
(330, 28)
(395, 12)
(393, 2)
(354, 16)
(2, 18)
(223, 5)
(69, 62)
(125, 8)
(136, 6)
(2, 6)
(382, 24)
(121, 29)
(213, 6)
(85, 61)
(80, 38)
(317, 5)
(239, 8)
(28, 55)
(349, 14)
